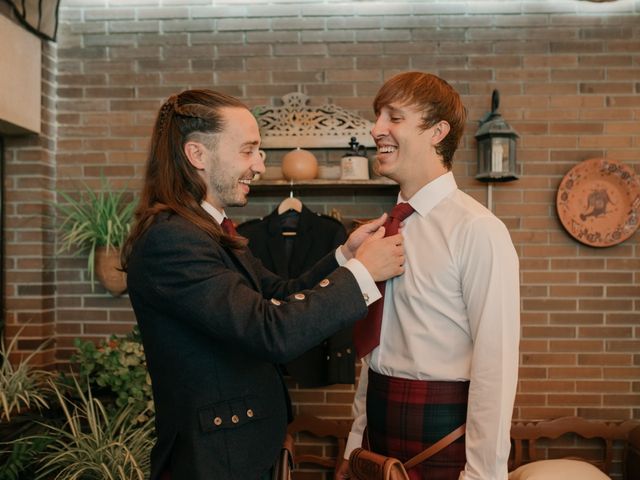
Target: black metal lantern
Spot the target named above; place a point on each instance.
(496, 146)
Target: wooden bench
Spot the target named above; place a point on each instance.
(527, 437)
(526, 448)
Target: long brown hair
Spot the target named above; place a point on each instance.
(435, 98)
(171, 183)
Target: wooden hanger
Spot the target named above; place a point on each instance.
(290, 203)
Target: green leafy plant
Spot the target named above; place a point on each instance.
(94, 219)
(21, 386)
(95, 444)
(119, 366)
(20, 461)
(24, 393)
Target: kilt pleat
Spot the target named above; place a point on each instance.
(405, 417)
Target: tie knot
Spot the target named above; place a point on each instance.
(401, 211)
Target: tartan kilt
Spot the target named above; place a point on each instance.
(405, 417)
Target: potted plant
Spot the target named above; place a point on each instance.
(24, 401)
(117, 367)
(22, 388)
(94, 442)
(76, 434)
(97, 222)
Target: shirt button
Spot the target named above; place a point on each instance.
(217, 421)
(324, 282)
(235, 419)
(276, 302)
(299, 296)
(250, 413)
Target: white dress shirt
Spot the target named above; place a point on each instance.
(368, 287)
(454, 315)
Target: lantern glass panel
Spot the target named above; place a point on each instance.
(484, 150)
(499, 155)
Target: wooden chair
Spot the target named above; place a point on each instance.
(526, 434)
(336, 430)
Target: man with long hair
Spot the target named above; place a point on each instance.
(446, 351)
(214, 322)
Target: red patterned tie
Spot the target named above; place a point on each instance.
(227, 226)
(366, 332)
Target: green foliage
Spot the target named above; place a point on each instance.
(94, 444)
(94, 219)
(73, 434)
(119, 366)
(21, 387)
(21, 458)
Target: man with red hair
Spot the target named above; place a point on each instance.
(446, 346)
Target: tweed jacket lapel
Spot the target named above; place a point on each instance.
(243, 263)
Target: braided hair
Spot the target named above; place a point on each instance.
(171, 183)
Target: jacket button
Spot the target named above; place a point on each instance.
(365, 296)
(339, 354)
(324, 282)
(235, 419)
(217, 421)
(299, 296)
(250, 413)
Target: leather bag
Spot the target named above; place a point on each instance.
(367, 465)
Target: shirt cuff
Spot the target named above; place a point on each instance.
(340, 258)
(367, 285)
(353, 441)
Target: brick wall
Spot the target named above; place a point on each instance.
(29, 259)
(569, 77)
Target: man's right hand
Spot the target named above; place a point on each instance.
(382, 256)
(343, 472)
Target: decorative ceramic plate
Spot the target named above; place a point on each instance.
(598, 202)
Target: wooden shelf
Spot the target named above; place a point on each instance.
(323, 184)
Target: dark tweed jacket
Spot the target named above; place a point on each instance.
(214, 324)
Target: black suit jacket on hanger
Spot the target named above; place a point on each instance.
(333, 361)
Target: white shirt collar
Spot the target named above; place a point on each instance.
(432, 193)
(217, 215)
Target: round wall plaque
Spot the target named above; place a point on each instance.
(598, 202)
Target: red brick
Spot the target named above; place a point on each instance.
(571, 99)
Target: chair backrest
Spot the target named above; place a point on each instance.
(335, 430)
(632, 455)
(525, 435)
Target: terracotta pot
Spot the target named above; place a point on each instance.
(107, 268)
(299, 164)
